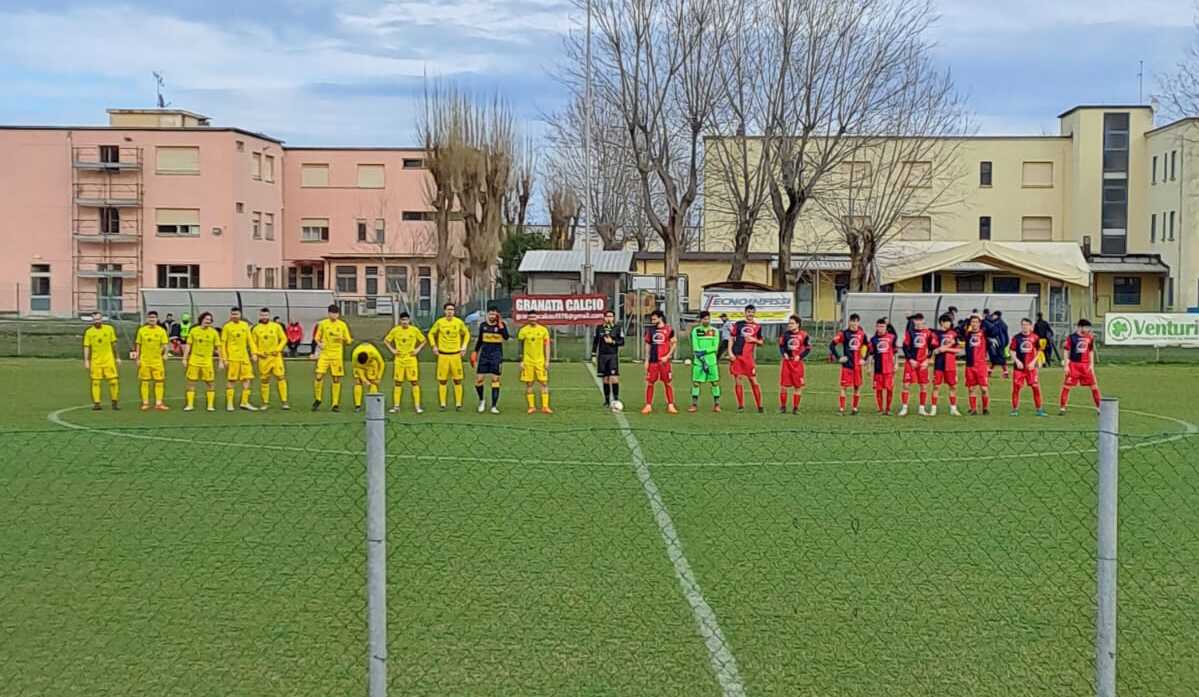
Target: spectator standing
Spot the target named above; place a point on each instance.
(1044, 330)
(726, 335)
(295, 335)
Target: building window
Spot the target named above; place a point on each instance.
(314, 230)
(1126, 290)
(424, 287)
(397, 279)
(256, 165)
(416, 216)
(306, 277)
(971, 282)
(1153, 228)
(1115, 143)
(984, 173)
(177, 222)
(39, 288)
(178, 275)
(360, 225)
(984, 227)
(372, 280)
(347, 279)
(110, 221)
(370, 176)
(177, 160)
(256, 225)
(241, 207)
(268, 168)
(1170, 293)
(314, 174)
(268, 225)
(1153, 173)
(1115, 204)
(1173, 164)
(1005, 284)
(930, 283)
(915, 228)
(270, 277)
(1036, 175)
(380, 231)
(110, 290)
(1036, 228)
(919, 174)
(1171, 226)
(110, 154)
(414, 163)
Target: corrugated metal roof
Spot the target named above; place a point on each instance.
(571, 261)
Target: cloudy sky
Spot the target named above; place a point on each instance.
(349, 72)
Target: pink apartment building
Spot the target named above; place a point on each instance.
(161, 199)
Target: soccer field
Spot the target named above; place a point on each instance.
(583, 554)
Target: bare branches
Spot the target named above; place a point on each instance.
(441, 129)
(1180, 89)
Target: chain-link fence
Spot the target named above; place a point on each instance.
(621, 561)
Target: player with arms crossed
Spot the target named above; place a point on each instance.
(150, 349)
(332, 336)
(661, 343)
(606, 349)
(368, 368)
(202, 341)
(238, 342)
(1026, 349)
(489, 357)
(405, 342)
(978, 372)
(747, 337)
(882, 347)
(100, 359)
(449, 338)
(945, 365)
(794, 345)
(1079, 350)
(705, 343)
(918, 344)
(270, 339)
(848, 348)
(534, 340)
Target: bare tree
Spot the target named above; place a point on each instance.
(898, 182)
(441, 128)
(520, 193)
(481, 183)
(655, 61)
(564, 209)
(1179, 90)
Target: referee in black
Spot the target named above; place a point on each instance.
(606, 348)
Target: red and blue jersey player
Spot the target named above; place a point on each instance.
(945, 364)
(848, 348)
(1079, 350)
(794, 345)
(978, 373)
(918, 345)
(1026, 350)
(882, 347)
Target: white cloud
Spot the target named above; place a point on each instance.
(983, 16)
(490, 19)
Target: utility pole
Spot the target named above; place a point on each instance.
(587, 271)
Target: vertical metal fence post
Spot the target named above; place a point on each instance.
(376, 545)
(1105, 619)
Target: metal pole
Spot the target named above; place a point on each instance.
(1105, 620)
(376, 545)
(588, 208)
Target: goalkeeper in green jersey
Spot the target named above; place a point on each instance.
(705, 342)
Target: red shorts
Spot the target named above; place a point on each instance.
(1020, 378)
(744, 366)
(658, 371)
(1079, 374)
(914, 374)
(851, 377)
(791, 374)
(946, 377)
(884, 381)
(978, 376)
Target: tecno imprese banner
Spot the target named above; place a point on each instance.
(772, 307)
(560, 309)
(1150, 329)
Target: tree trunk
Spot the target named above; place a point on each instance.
(782, 281)
(857, 269)
(741, 240)
(671, 256)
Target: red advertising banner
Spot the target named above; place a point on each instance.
(560, 309)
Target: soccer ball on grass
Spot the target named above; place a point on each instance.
(617, 406)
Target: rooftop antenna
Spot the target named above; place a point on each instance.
(159, 83)
(1141, 82)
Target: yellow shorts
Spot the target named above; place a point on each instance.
(532, 372)
(407, 369)
(157, 373)
(200, 373)
(449, 367)
(271, 366)
(107, 371)
(332, 366)
(236, 371)
(366, 376)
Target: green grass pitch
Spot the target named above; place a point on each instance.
(194, 553)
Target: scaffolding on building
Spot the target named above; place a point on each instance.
(107, 227)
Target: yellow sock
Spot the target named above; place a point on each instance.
(245, 396)
(318, 389)
(265, 393)
(335, 394)
(357, 395)
(416, 395)
(374, 389)
(191, 398)
(160, 390)
(114, 390)
(545, 399)
(145, 390)
(441, 392)
(457, 394)
(229, 397)
(210, 396)
(397, 394)
(283, 391)
(531, 400)
(95, 391)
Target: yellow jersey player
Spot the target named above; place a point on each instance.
(534, 341)
(237, 340)
(405, 342)
(100, 360)
(450, 339)
(369, 366)
(270, 340)
(150, 349)
(332, 336)
(202, 342)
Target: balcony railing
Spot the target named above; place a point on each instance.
(108, 195)
(106, 158)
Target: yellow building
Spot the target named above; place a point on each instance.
(1110, 194)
